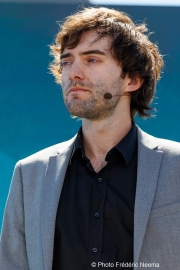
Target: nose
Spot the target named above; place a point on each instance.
(76, 71)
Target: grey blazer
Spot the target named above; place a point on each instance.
(29, 220)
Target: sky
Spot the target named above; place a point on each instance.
(137, 2)
(105, 2)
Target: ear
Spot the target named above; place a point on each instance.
(132, 84)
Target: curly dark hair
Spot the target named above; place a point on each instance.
(131, 47)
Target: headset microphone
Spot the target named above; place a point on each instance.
(109, 95)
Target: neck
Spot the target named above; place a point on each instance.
(100, 136)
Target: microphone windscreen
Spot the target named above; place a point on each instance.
(107, 96)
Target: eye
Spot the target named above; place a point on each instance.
(93, 60)
(65, 63)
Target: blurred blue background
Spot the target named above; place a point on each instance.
(32, 114)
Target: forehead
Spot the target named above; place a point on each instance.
(88, 42)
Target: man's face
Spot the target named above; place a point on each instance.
(88, 72)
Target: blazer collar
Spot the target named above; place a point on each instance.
(149, 162)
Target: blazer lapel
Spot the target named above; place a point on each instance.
(149, 161)
(54, 178)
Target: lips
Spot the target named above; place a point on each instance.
(76, 90)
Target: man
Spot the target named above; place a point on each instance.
(109, 197)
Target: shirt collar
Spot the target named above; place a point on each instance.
(126, 146)
(78, 141)
(77, 145)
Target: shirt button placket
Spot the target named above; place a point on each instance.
(96, 227)
(96, 215)
(100, 180)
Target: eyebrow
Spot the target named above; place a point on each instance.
(83, 53)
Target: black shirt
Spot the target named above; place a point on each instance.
(95, 215)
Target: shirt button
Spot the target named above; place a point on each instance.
(99, 180)
(94, 250)
(96, 215)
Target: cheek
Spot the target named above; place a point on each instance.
(62, 84)
(65, 84)
(64, 77)
(106, 75)
(113, 70)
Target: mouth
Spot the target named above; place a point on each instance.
(76, 90)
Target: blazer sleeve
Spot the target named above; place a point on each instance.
(13, 245)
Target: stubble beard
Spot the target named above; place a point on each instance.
(96, 107)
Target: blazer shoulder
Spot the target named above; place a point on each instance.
(167, 146)
(171, 147)
(44, 154)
